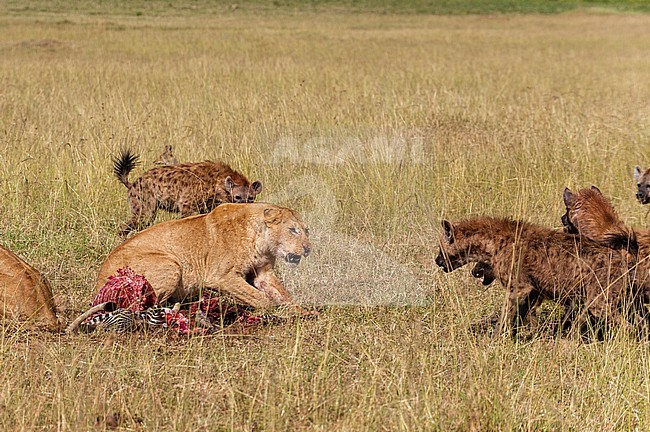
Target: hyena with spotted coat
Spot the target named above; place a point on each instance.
(185, 188)
(642, 179)
(534, 263)
(591, 215)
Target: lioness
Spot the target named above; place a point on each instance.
(24, 293)
(232, 249)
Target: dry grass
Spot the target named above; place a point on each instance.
(388, 123)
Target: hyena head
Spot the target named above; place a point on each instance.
(454, 249)
(166, 157)
(590, 214)
(642, 179)
(242, 193)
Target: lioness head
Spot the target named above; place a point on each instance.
(242, 193)
(642, 179)
(287, 235)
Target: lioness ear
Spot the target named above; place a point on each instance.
(448, 231)
(228, 184)
(272, 216)
(637, 173)
(256, 187)
(568, 197)
(595, 189)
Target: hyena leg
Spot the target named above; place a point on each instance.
(187, 206)
(527, 308)
(143, 212)
(604, 308)
(516, 297)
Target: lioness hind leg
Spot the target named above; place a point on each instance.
(164, 275)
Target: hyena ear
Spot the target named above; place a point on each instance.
(228, 184)
(637, 173)
(256, 187)
(568, 197)
(448, 231)
(595, 189)
(272, 216)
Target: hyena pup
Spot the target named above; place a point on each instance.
(534, 263)
(185, 188)
(642, 179)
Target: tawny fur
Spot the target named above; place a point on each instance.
(232, 249)
(186, 188)
(642, 179)
(24, 293)
(534, 263)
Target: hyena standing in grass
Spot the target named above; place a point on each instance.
(185, 188)
(590, 214)
(535, 263)
(642, 179)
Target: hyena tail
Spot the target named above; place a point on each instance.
(123, 165)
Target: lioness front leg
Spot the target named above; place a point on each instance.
(268, 282)
(235, 285)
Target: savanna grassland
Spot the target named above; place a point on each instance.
(375, 126)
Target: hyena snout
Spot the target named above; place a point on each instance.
(443, 263)
(569, 227)
(642, 196)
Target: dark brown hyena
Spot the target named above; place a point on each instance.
(535, 263)
(185, 188)
(642, 179)
(591, 215)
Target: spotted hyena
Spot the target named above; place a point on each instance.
(186, 188)
(534, 263)
(166, 157)
(642, 179)
(590, 214)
